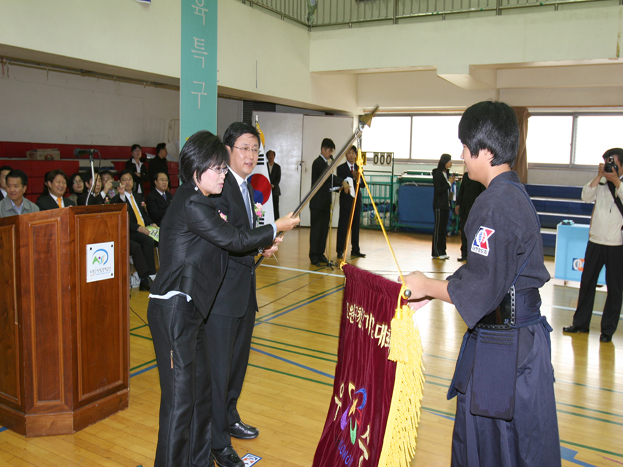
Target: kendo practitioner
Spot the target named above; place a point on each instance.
(504, 380)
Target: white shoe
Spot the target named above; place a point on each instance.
(444, 257)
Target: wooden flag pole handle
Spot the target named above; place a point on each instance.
(314, 189)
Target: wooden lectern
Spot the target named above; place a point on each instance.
(64, 341)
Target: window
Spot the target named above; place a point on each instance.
(434, 135)
(549, 139)
(595, 135)
(388, 134)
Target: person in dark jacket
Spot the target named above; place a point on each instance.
(159, 198)
(274, 172)
(442, 182)
(54, 194)
(159, 165)
(468, 192)
(345, 170)
(138, 168)
(194, 240)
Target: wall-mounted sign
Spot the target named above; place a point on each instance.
(100, 261)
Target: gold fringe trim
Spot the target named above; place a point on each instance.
(404, 414)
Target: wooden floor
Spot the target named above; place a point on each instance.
(289, 380)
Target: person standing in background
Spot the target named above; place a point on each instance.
(158, 165)
(274, 172)
(468, 192)
(138, 168)
(442, 182)
(346, 170)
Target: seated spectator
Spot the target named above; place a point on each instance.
(107, 176)
(4, 170)
(76, 187)
(141, 244)
(54, 191)
(137, 168)
(159, 198)
(15, 203)
(158, 165)
(98, 196)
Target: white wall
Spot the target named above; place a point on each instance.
(52, 107)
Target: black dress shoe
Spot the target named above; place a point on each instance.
(605, 338)
(145, 284)
(340, 256)
(315, 262)
(573, 329)
(357, 255)
(241, 430)
(227, 457)
(461, 259)
(325, 260)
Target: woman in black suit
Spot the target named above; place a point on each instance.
(138, 168)
(194, 244)
(442, 182)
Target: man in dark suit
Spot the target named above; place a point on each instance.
(158, 165)
(98, 195)
(4, 170)
(56, 182)
(159, 198)
(230, 325)
(141, 244)
(346, 170)
(468, 192)
(320, 204)
(274, 172)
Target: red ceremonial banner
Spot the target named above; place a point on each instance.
(364, 377)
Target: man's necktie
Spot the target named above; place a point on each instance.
(59, 202)
(137, 213)
(247, 201)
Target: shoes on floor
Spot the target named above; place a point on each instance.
(227, 457)
(145, 285)
(441, 257)
(461, 259)
(605, 338)
(357, 255)
(241, 430)
(573, 329)
(315, 262)
(340, 256)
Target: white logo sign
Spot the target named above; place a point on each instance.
(100, 261)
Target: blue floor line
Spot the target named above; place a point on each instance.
(305, 367)
(262, 320)
(139, 372)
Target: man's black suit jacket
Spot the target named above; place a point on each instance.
(322, 199)
(237, 294)
(156, 166)
(45, 202)
(157, 205)
(346, 200)
(138, 198)
(194, 242)
(275, 179)
(93, 200)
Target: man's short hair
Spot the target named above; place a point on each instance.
(158, 174)
(491, 126)
(16, 173)
(107, 172)
(135, 146)
(51, 175)
(236, 130)
(270, 151)
(126, 171)
(160, 147)
(6, 167)
(200, 152)
(327, 143)
(611, 152)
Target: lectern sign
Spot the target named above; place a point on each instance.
(100, 261)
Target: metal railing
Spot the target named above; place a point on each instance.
(349, 12)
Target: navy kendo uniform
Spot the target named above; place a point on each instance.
(506, 410)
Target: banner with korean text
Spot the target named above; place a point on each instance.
(354, 434)
(198, 85)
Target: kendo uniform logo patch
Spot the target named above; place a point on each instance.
(480, 244)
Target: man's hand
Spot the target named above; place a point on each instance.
(287, 223)
(270, 251)
(456, 209)
(612, 177)
(451, 179)
(143, 230)
(107, 186)
(416, 282)
(121, 189)
(600, 170)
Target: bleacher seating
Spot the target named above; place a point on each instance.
(555, 204)
(113, 157)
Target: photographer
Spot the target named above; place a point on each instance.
(605, 247)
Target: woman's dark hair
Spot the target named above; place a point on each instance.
(70, 183)
(443, 160)
(202, 151)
